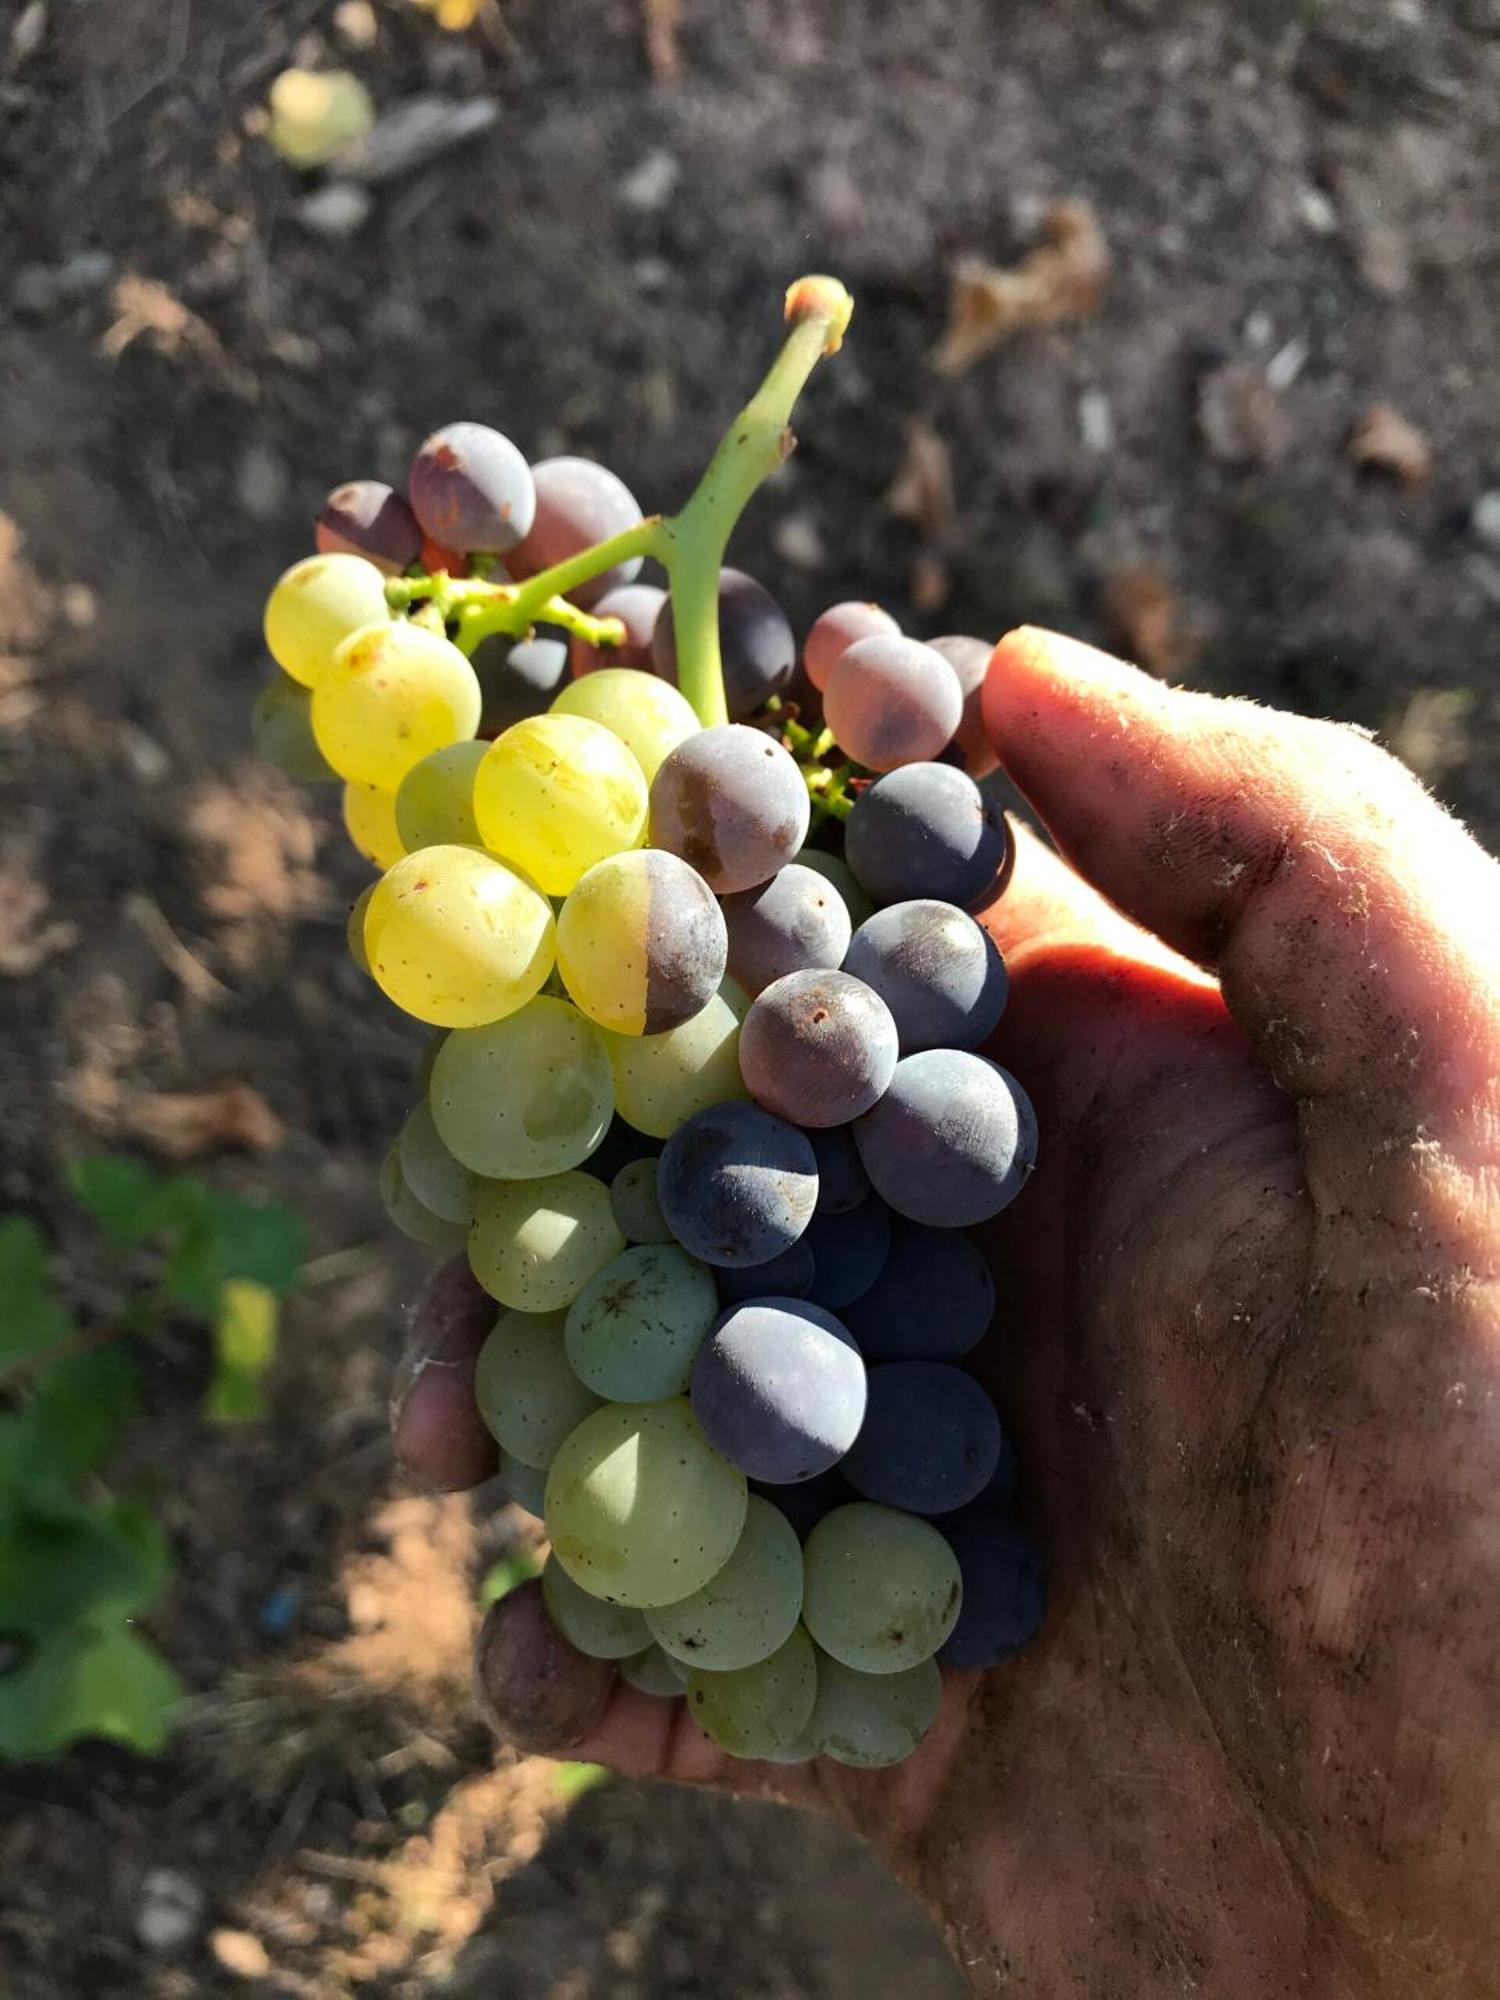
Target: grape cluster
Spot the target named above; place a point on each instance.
(706, 1102)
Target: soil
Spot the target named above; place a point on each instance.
(1301, 224)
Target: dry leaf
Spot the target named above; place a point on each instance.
(929, 583)
(19, 698)
(258, 848)
(922, 490)
(145, 309)
(1383, 441)
(661, 20)
(1241, 419)
(1063, 278)
(26, 942)
(1146, 615)
(182, 1124)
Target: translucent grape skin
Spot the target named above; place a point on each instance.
(438, 1181)
(788, 1275)
(370, 822)
(526, 1096)
(526, 1485)
(892, 701)
(435, 800)
(736, 1185)
(938, 972)
(365, 518)
(641, 942)
(392, 694)
(925, 831)
(641, 1509)
(662, 1080)
(818, 1047)
(412, 1217)
(883, 1589)
(1004, 1590)
(633, 1332)
(836, 630)
(848, 1253)
(649, 717)
(933, 1300)
(534, 1245)
(779, 1388)
(637, 606)
(756, 644)
(602, 1630)
(842, 1180)
(796, 922)
(733, 804)
(517, 678)
(281, 727)
(654, 1672)
(759, 1710)
(953, 1140)
(970, 747)
(871, 1721)
(555, 794)
(456, 938)
(578, 503)
(528, 1396)
(632, 1196)
(471, 490)
(749, 1609)
(930, 1441)
(315, 606)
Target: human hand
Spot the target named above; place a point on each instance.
(1248, 1347)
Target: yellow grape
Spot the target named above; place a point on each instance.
(394, 694)
(356, 927)
(662, 1079)
(435, 804)
(641, 942)
(315, 606)
(555, 794)
(370, 822)
(534, 1245)
(648, 714)
(456, 939)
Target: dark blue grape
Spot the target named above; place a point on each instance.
(1005, 1590)
(930, 1440)
(995, 1496)
(924, 830)
(848, 1252)
(779, 1389)
(818, 1047)
(736, 1185)
(518, 678)
(933, 1301)
(842, 1180)
(952, 1141)
(937, 971)
(805, 1504)
(756, 644)
(788, 1276)
(795, 922)
(472, 490)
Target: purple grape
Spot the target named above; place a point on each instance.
(637, 606)
(472, 490)
(756, 644)
(736, 1185)
(518, 678)
(805, 1504)
(733, 804)
(937, 971)
(933, 1300)
(818, 1047)
(367, 519)
(787, 1276)
(1005, 1590)
(848, 1253)
(970, 748)
(892, 701)
(792, 923)
(779, 1389)
(926, 831)
(578, 504)
(930, 1440)
(842, 1180)
(951, 1142)
(836, 630)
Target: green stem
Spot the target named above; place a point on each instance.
(478, 620)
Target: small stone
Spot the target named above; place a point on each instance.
(1287, 363)
(144, 754)
(79, 606)
(342, 208)
(170, 1911)
(649, 185)
(1316, 210)
(262, 482)
(797, 541)
(354, 21)
(1484, 519)
(242, 1953)
(651, 274)
(1096, 421)
(26, 35)
(1260, 329)
(41, 288)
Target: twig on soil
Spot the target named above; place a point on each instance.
(174, 954)
(661, 20)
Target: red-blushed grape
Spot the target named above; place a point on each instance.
(733, 804)
(892, 701)
(365, 518)
(970, 747)
(472, 490)
(836, 630)
(792, 923)
(818, 1047)
(578, 504)
(637, 606)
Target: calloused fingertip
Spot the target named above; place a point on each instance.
(537, 1692)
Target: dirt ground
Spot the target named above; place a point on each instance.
(1302, 222)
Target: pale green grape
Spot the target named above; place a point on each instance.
(641, 942)
(528, 1396)
(441, 1183)
(653, 1672)
(761, 1710)
(392, 695)
(526, 1484)
(429, 1053)
(534, 1245)
(555, 794)
(435, 800)
(648, 714)
(833, 868)
(662, 1079)
(634, 1330)
(354, 930)
(640, 1507)
(735, 996)
(370, 822)
(409, 1215)
(315, 606)
(882, 1588)
(603, 1631)
(632, 1196)
(801, 1751)
(526, 1096)
(871, 1720)
(745, 1612)
(456, 939)
(281, 729)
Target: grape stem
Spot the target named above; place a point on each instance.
(690, 544)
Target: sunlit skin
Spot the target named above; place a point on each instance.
(1249, 1347)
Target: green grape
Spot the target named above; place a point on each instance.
(528, 1396)
(456, 939)
(634, 1330)
(749, 1609)
(653, 1672)
(430, 1171)
(555, 794)
(801, 1751)
(837, 871)
(534, 1245)
(408, 1214)
(435, 801)
(882, 1588)
(354, 931)
(640, 1507)
(871, 1720)
(662, 1079)
(632, 1196)
(526, 1096)
(370, 822)
(315, 606)
(393, 695)
(641, 942)
(734, 996)
(526, 1484)
(648, 714)
(760, 1710)
(603, 1631)
(281, 727)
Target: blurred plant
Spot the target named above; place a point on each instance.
(79, 1560)
(453, 14)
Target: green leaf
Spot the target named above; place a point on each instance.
(570, 1781)
(69, 1423)
(66, 1560)
(225, 1238)
(245, 1329)
(87, 1682)
(503, 1577)
(32, 1321)
(124, 1198)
